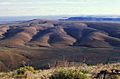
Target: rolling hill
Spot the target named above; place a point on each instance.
(39, 42)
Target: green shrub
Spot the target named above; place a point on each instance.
(62, 73)
(22, 70)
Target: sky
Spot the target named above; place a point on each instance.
(59, 7)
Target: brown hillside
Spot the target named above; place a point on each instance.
(41, 42)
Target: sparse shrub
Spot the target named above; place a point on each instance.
(66, 73)
(80, 72)
(6, 75)
(22, 70)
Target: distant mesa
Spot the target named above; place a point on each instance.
(94, 18)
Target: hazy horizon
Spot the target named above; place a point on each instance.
(61, 7)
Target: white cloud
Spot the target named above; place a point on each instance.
(57, 7)
(5, 3)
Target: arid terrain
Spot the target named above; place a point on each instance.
(41, 42)
(81, 71)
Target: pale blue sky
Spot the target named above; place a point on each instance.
(59, 7)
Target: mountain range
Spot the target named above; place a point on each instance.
(94, 18)
(38, 42)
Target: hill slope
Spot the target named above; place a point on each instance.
(39, 42)
(48, 33)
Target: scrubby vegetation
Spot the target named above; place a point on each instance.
(82, 71)
(69, 73)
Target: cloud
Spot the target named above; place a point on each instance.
(5, 3)
(46, 7)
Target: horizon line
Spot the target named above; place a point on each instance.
(57, 15)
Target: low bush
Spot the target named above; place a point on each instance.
(22, 70)
(79, 72)
(66, 73)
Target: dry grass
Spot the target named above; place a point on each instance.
(82, 71)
